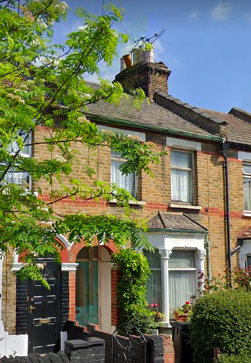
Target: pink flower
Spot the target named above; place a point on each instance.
(155, 305)
(152, 305)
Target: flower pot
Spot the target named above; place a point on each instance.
(180, 317)
(157, 318)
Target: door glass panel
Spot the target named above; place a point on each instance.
(80, 287)
(91, 284)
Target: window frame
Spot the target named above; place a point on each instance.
(246, 176)
(192, 176)
(23, 154)
(117, 158)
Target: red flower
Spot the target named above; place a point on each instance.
(155, 305)
(187, 302)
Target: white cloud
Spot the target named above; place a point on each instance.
(193, 14)
(221, 11)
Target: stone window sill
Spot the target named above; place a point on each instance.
(246, 213)
(131, 202)
(184, 206)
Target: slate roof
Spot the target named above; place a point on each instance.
(238, 130)
(153, 114)
(174, 221)
(150, 114)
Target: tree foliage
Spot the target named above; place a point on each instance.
(42, 83)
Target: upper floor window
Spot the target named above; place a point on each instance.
(127, 182)
(181, 176)
(15, 175)
(247, 186)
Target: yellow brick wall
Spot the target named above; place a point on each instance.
(156, 193)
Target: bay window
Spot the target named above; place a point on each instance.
(182, 277)
(154, 292)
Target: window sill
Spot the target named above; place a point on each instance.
(185, 206)
(246, 213)
(131, 202)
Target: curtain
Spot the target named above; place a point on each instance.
(154, 289)
(17, 177)
(182, 284)
(182, 259)
(126, 182)
(154, 295)
(181, 179)
(247, 193)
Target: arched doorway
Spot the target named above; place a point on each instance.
(87, 286)
(93, 287)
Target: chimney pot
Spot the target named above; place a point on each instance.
(128, 61)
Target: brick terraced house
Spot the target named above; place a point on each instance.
(198, 206)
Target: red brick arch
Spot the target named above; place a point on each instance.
(111, 248)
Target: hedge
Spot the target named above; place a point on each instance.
(221, 320)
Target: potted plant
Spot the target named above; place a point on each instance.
(184, 312)
(158, 317)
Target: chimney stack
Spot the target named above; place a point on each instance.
(143, 73)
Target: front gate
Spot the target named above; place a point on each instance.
(43, 309)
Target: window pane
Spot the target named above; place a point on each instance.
(153, 258)
(154, 295)
(19, 178)
(248, 261)
(123, 181)
(181, 159)
(182, 284)
(182, 259)
(181, 186)
(247, 168)
(247, 193)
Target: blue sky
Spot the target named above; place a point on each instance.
(206, 44)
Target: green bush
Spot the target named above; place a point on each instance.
(131, 290)
(221, 320)
(240, 358)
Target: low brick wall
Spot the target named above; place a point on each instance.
(159, 348)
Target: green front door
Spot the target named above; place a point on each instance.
(87, 292)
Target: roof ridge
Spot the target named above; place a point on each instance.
(196, 110)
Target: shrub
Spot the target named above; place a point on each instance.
(131, 290)
(240, 358)
(221, 319)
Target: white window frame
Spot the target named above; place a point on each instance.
(246, 176)
(190, 170)
(117, 158)
(14, 148)
(166, 243)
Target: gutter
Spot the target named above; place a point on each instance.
(162, 130)
(225, 146)
(175, 230)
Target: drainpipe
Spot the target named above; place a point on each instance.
(224, 148)
(208, 258)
